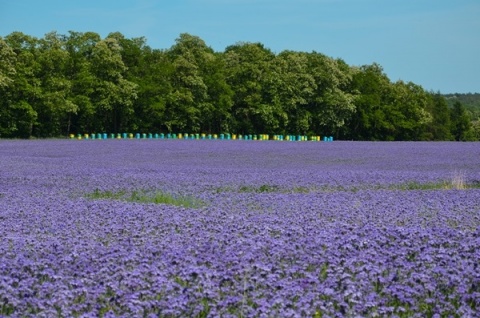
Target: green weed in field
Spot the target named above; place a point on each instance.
(143, 196)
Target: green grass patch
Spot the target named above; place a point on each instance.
(440, 185)
(261, 189)
(143, 196)
(454, 184)
(264, 188)
(457, 181)
(420, 186)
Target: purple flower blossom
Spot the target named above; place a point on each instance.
(287, 229)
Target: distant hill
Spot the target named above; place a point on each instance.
(468, 100)
(471, 101)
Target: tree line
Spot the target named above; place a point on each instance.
(80, 83)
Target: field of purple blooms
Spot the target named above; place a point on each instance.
(274, 229)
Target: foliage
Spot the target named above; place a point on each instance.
(471, 103)
(461, 126)
(144, 196)
(80, 83)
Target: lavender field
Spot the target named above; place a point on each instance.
(191, 228)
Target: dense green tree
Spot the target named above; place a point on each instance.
(408, 111)
(439, 128)
(295, 88)
(476, 129)
(80, 47)
(250, 75)
(55, 107)
(154, 86)
(22, 96)
(81, 83)
(390, 111)
(7, 64)
(189, 94)
(145, 68)
(471, 103)
(201, 98)
(461, 126)
(333, 102)
(7, 73)
(216, 111)
(113, 95)
(374, 88)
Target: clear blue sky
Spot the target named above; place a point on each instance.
(433, 43)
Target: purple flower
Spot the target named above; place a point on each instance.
(345, 228)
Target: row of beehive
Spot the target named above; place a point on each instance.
(198, 136)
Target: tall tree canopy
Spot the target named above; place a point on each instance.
(80, 83)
